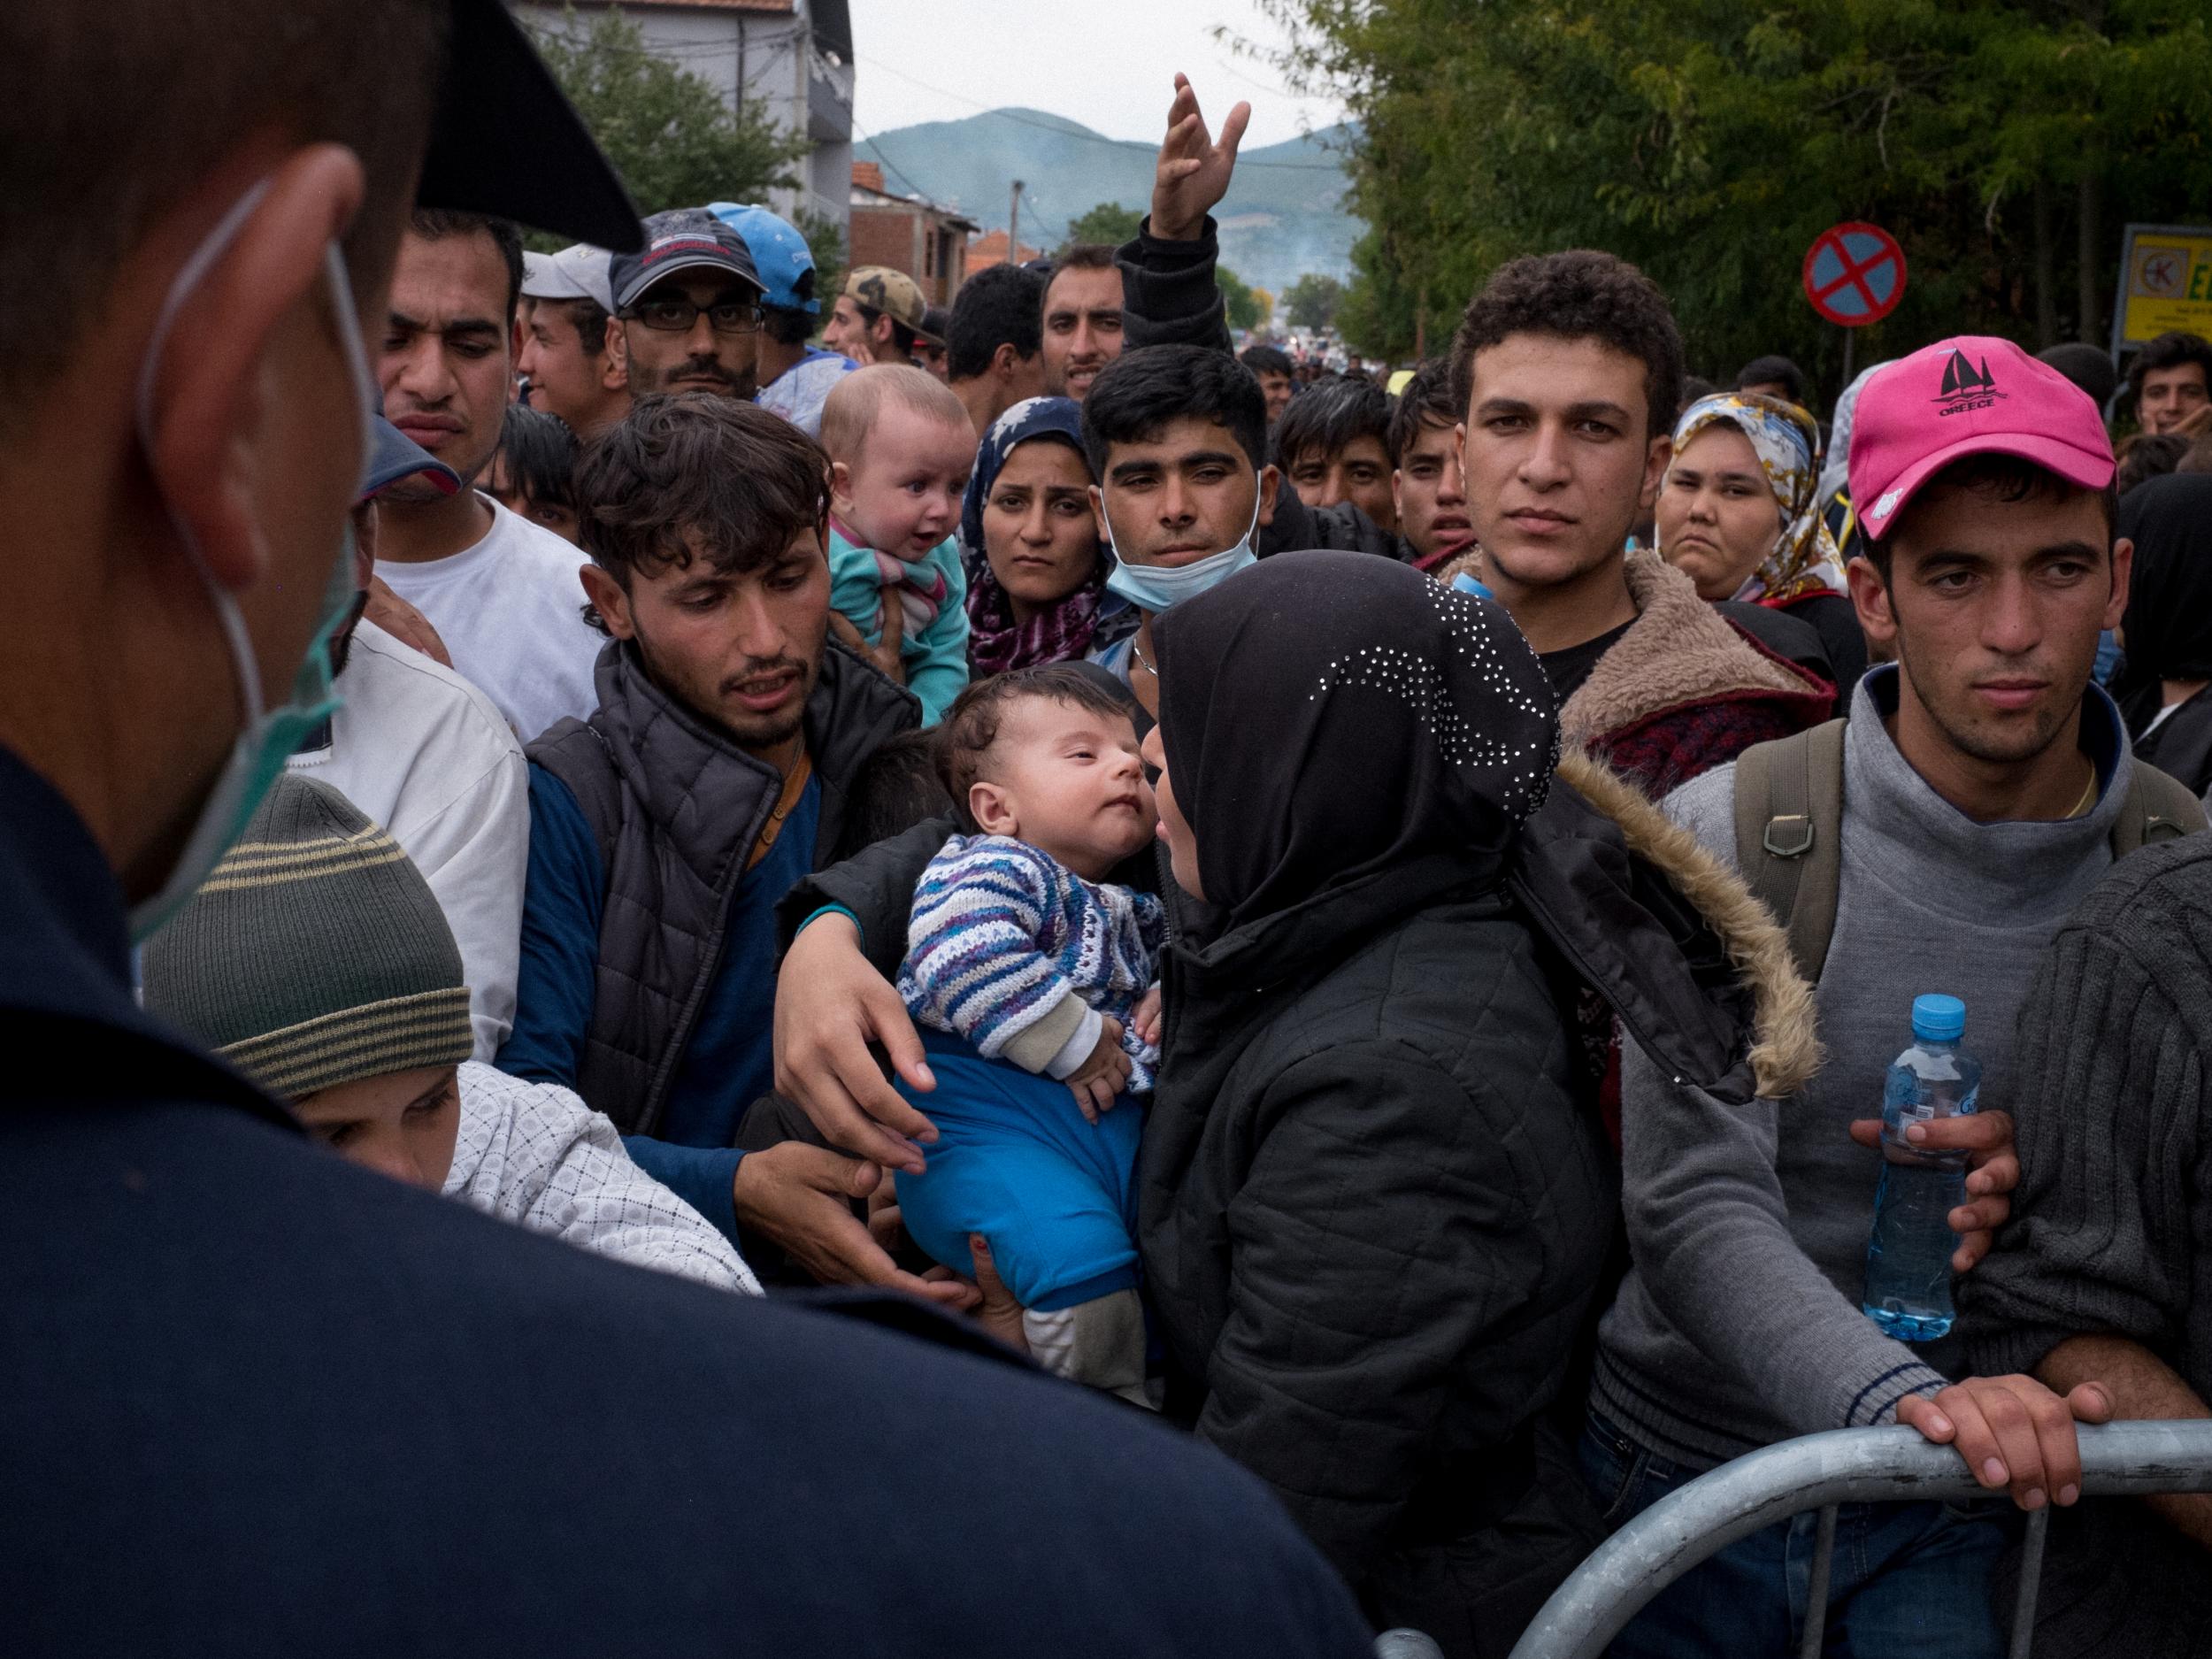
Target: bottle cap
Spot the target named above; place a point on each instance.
(1939, 1018)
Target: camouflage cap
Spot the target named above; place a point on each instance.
(894, 293)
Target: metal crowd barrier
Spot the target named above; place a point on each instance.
(1820, 1473)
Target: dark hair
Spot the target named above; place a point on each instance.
(1266, 360)
(589, 319)
(1002, 306)
(2169, 351)
(1773, 371)
(1580, 295)
(1330, 417)
(1426, 401)
(971, 725)
(896, 788)
(902, 336)
(435, 224)
(2197, 457)
(2150, 455)
(2006, 479)
(786, 326)
(115, 111)
(540, 452)
(1141, 391)
(1693, 388)
(740, 480)
(1082, 255)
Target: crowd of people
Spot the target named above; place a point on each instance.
(649, 889)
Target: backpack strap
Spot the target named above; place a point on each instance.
(2158, 809)
(1789, 839)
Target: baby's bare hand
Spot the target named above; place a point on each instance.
(1145, 1017)
(1103, 1075)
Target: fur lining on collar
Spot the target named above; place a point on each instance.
(1785, 1048)
(1678, 650)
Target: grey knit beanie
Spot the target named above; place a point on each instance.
(315, 954)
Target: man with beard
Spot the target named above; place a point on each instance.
(689, 307)
(714, 772)
(1082, 318)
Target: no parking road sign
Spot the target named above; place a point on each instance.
(1854, 275)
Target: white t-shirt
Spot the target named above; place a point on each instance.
(511, 612)
(424, 753)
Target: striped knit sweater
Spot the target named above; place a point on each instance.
(1014, 952)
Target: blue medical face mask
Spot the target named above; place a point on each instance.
(1157, 588)
(269, 735)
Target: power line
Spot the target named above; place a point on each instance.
(1078, 133)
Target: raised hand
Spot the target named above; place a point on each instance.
(1194, 170)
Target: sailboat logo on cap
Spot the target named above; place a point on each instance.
(1965, 387)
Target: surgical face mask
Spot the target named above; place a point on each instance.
(1157, 588)
(269, 734)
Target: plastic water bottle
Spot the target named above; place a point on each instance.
(1463, 583)
(1908, 1257)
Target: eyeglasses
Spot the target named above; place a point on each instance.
(676, 317)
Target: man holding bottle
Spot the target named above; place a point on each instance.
(1981, 788)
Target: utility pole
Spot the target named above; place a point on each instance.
(1014, 225)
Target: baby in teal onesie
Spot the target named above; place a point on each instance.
(900, 448)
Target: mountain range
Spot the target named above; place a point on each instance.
(1284, 216)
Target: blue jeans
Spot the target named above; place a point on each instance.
(1908, 1578)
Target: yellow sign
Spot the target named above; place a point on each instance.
(2165, 284)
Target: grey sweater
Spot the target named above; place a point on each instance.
(1739, 1324)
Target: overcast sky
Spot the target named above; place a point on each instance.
(1108, 64)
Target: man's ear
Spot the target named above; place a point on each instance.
(1098, 514)
(1870, 597)
(1655, 460)
(1005, 361)
(609, 599)
(992, 809)
(614, 368)
(211, 404)
(2123, 572)
(1271, 487)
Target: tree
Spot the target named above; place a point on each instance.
(1109, 222)
(2002, 141)
(1311, 302)
(673, 139)
(1239, 298)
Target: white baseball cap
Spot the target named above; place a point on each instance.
(578, 271)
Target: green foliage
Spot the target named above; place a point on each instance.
(2004, 143)
(825, 241)
(1109, 222)
(669, 133)
(1312, 301)
(1243, 303)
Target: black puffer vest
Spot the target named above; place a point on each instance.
(676, 806)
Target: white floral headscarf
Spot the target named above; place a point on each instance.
(1804, 559)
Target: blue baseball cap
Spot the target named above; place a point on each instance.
(780, 255)
(392, 456)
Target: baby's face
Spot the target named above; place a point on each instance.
(902, 491)
(1068, 782)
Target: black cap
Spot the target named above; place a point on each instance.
(505, 141)
(682, 238)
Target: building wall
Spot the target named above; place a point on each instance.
(774, 58)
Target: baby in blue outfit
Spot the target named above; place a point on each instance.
(1031, 978)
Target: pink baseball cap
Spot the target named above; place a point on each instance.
(1971, 394)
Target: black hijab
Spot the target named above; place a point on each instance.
(1328, 715)
(2168, 621)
